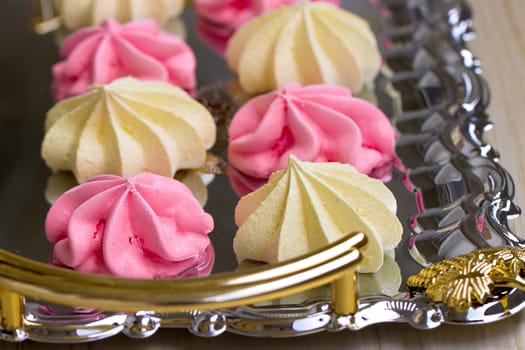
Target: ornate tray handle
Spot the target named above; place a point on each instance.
(44, 18)
(471, 280)
(22, 278)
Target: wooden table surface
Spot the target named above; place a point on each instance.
(501, 47)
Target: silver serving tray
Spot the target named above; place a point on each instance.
(454, 197)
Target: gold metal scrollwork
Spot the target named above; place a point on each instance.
(472, 279)
(45, 19)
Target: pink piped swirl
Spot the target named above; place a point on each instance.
(316, 123)
(220, 18)
(101, 54)
(145, 226)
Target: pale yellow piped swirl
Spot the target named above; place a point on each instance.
(308, 43)
(309, 205)
(128, 127)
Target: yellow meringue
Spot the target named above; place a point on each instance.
(308, 43)
(82, 13)
(128, 127)
(309, 205)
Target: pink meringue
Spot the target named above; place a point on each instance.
(145, 226)
(316, 123)
(99, 55)
(234, 13)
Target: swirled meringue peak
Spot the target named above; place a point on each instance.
(146, 226)
(128, 127)
(308, 43)
(98, 55)
(76, 14)
(317, 123)
(310, 205)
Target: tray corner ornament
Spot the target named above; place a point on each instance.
(463, 195)
(471, 280)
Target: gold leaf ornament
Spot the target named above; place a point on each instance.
(470, 280)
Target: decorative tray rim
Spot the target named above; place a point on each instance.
(465, 105)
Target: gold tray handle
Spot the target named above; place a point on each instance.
(21, 277)
(44, 18)
(472, 279)
(12, 315)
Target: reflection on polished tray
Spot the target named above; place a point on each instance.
(458, 197)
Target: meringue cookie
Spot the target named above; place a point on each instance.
(233, 13)
(128, 127)
(318, 123)
(82, 13)
(219, 19)
(308, 43)
(310, 205)
(146, 226)
(98, 55)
